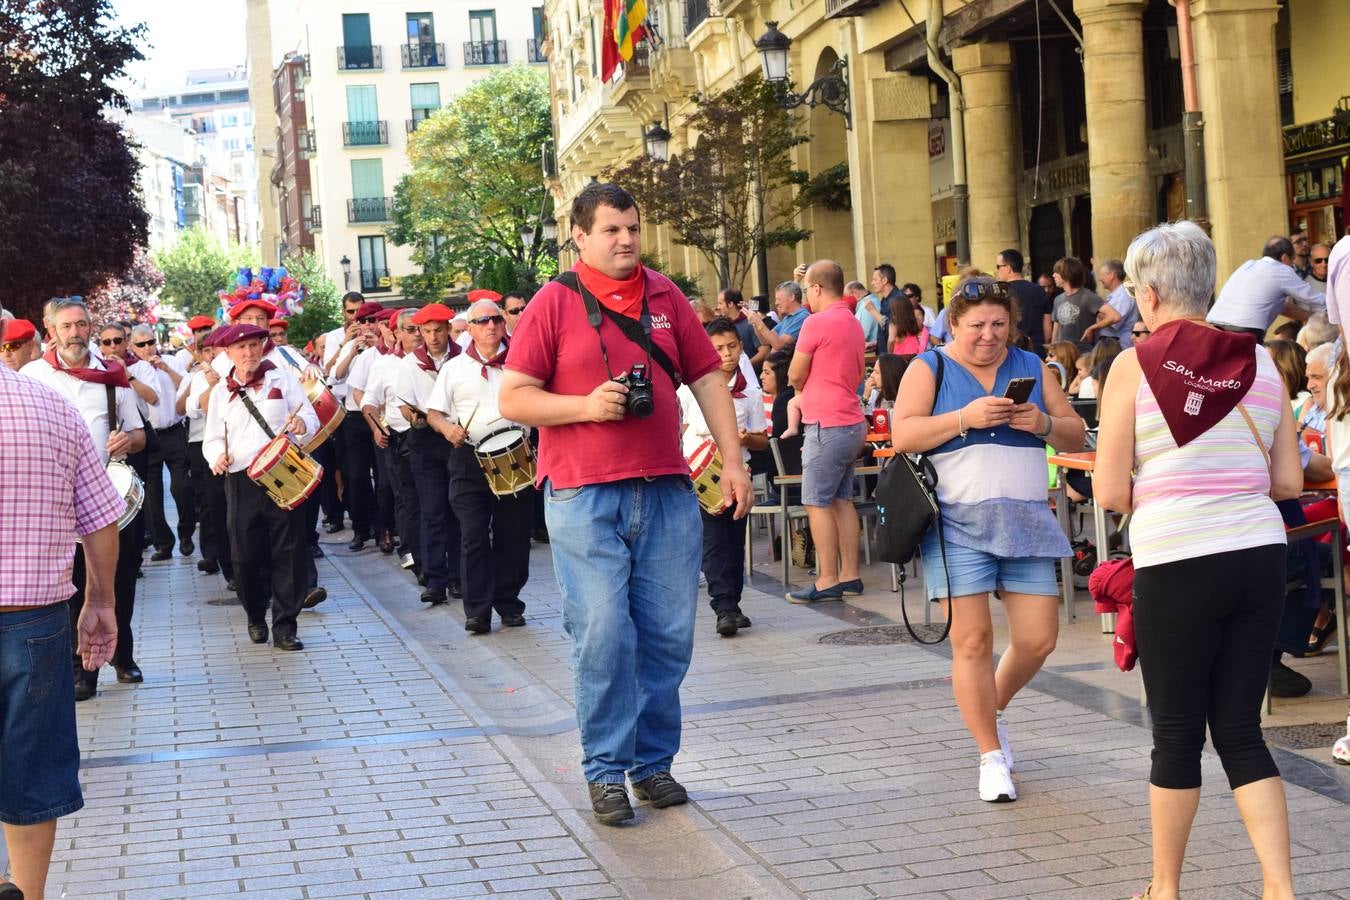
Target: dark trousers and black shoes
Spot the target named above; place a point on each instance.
(327, 455)
(1205, 629)
(209, 492)
(407, 508)
(270, 555)
(386, 493)
(358, 474)
(724, 569)
(440, 527)
(130, 545)
(496, 543)
(170, 451)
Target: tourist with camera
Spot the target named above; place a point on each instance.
(594, 364)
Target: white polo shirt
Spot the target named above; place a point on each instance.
(464, 395)
(358, 374)
(380, 391)
(413, 384)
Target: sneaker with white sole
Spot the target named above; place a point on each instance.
(1003, 744)
(995, 782)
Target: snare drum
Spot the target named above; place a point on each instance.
(507, 459)
(705, 468)
(128, 484)
(329, 409)
(287, 473)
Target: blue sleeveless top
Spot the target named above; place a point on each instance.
(991, 483)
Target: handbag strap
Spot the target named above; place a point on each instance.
(1256, 436)
(937, 519)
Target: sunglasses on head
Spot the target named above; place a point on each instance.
(978, 290)
(487, 320)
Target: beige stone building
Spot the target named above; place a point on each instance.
(1063, 120)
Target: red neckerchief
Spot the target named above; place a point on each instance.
(235, 388)
(112, 374)
(424, 361)
(738, 385)
(495, 362)
(129, 359)
(1197, 374)
(624, 297)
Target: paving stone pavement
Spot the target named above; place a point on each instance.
(399, 756)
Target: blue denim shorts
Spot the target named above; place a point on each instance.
(976, 572)
(828, 457)
(39, 749)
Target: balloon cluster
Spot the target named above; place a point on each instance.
(151, 312)
(274, 285)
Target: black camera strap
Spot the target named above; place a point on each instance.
(639, 332)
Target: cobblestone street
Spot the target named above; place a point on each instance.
(399, 756)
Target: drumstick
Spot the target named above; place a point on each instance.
(412, 406)
(225, 438)
(285, 426)
(466, 425)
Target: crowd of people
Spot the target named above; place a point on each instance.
(616, 419)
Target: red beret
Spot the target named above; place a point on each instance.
(433, 312)
(279, 323)
(387, 314)
(14, 331)
(483, 294)
(269, 308)
(368, 309)
(233, 334)
(197, 323)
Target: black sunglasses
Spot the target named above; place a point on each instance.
(514, 311)
(111, 342)
(1319, 259)
(408, 329)
(978, 290)
(368, 320)
(487, 320)
(143, 343)
(1144, 333)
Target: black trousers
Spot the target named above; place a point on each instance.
(358, 471)
(327, 455)
(495, 539)
(170, 451)
(209, 496)
(386, 493)
(408, 508)
(440, 527)
(1205, 630)
(724, 560)
(270, 554)
(130, 544)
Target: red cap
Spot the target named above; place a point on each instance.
(233, 334)
(269, 308)
(386, 314)
(368, 309)
(197, 323)
(483, 294)
(15, 331)
(433, 312)
(279, 323)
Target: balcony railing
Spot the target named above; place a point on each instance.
(369, 209)
(376, 280)
(315, 220)
(534, 50)
(485, 53)
(305, 142)
(359, 57)
(410, 125)
(365, 134)
(695, 11)
(423, 56)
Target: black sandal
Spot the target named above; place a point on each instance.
(1320, 636)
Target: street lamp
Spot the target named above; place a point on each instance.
(526, 234)
(657, 142)
(550, 229)
(829, 90)
(346, 271)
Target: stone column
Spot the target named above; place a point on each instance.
(992, 157)
(1113, 72)
(258, 25)
(1235, 59)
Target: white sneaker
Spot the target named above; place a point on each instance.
(406, 561)
(995, 783)
(1003, 744)
(1340, 751)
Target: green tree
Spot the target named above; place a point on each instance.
(323, 311)
(474, 182)
(196, 267)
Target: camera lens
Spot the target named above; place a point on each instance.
(640, 402)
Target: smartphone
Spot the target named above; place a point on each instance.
(1019, 389)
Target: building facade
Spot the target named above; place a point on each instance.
(373, 71)
(289, 177)
(1062, 122)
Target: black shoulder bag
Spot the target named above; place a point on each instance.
(907, 508)
(639, 332)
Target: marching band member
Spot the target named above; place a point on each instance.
(168, 451)
(247, 409)
(279, 330)
(208, 487)
(99, 390)
(430, 453)
(380, 402)
(358, 449)
(724, 535)
(463, 409)
(18, 343)
(332, 342)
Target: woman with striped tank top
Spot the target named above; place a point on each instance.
(1197, 441)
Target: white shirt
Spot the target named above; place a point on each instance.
(281, 357)
(464, 340)
(181, 361)
(749, 417)
(380, 392)
(413, 385)
(358, 374)
(1254, 294)
(90, 400)
(332, 343)
(464, 395)
(227, 417)
(164, 413)
(196, 385)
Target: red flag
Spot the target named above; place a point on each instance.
(609, 48)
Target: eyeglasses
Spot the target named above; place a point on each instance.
(978, 290)
(1319, 259)
(514, 311)
(909, 295)
(1143, 333)
(1134, 290)
(1002, 266)
(12, 346)
(487, 320)
(408, 329)
(111, 342)
(368, 320)
(149, 343)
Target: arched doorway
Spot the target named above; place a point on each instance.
(1081, 231)
(1047, 238)
(831, 229)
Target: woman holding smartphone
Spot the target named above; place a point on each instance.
(985, 428)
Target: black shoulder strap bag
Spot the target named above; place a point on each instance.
(639, 332)
(907, 507)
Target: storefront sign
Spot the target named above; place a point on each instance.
(1316, 183)
(1316, 138)
(1062, 178)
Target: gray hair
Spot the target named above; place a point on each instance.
(1320, 354)
(1318, 331)
(1115, 267)
(1177, 260)
(142, 331)
(792, 288)
(114, 325)
(490, 305)
(404, 315)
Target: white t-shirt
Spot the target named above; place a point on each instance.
(749, 417)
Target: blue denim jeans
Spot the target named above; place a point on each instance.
(626, 555)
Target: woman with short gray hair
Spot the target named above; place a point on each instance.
(1197, 441)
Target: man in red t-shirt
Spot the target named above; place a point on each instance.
(622, 514)
(826, 371)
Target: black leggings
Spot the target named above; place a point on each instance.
(1205, 631)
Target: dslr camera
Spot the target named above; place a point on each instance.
(639, 397)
